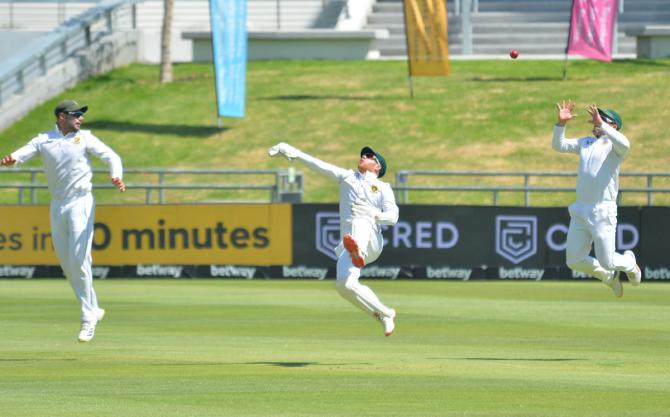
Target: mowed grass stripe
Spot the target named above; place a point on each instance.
(295, 348)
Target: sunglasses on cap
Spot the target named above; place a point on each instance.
(75, 114)
(369, 156)
(608, 120)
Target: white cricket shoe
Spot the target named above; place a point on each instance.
(615, 284)
(389, 323)
(635, 276)
(87, 331)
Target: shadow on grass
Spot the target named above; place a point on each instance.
(516, 79)
(162, 129)
(301, 364)
(37, 360)
(522, 359)
(282, 364)
(285, 364)
(299, 97)
(638, 62)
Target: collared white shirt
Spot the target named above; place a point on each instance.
(355, 186)
(66, 160)
(599, 162)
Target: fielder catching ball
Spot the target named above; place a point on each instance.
(366, 203)
(593, 217)
(65, 152)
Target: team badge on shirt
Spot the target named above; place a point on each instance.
(77, 139)
(374, 189)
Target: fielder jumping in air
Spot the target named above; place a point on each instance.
(65, 152)
(593, 217)
(366, 203)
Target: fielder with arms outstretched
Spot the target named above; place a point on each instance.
(593, 217)
(65, 152)
(366, 203)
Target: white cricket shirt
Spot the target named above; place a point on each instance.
(65, 160)
(599, 162)
(356, 186)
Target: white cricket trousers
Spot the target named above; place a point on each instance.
(72, 236)
(595, 224)
(370, 242)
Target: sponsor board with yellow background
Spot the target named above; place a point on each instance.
(239, 234)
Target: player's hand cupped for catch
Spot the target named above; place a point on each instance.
(7, 161)
(285, 149)
(118, 183)
(596, 119)
(565, 112)
(359, 209)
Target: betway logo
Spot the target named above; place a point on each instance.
(230, 271)
(304, 272)
(17, 271)
(657, 274)
(580, 275)
(449, 273)
(100, 272)
(380, 272)
(159, 271)
(520, 273)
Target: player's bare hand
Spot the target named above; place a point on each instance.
(596, 119)
(7, 161)
(118, 183)
(565, 112)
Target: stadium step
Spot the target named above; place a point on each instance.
(534, 26)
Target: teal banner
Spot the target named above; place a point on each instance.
(229, 50)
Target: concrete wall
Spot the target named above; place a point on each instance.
(297, 44)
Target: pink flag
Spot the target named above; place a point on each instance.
(591, 28)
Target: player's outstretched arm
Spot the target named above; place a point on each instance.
(316, 164)
(23, 154)
(559, 142)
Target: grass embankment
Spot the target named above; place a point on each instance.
(488, 116)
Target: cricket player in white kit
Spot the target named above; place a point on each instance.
(593, 217)
(65, 152)
(366, 203)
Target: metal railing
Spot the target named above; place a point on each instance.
(281, 185)
(15, 14)
(403, 186)
(36, 58)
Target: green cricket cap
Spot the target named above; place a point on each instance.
(379, 157)
(68, 106)
(610, 116)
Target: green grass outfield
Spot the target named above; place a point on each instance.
(295, 348)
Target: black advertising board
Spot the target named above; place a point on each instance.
(461, 242)
(655, 247)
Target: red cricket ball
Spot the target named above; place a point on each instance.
(514, 53)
